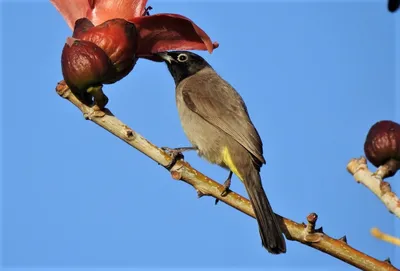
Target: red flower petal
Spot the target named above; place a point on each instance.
(72, 10)
(105, 10)
(98, 11)
(163, 32)
(116, 37)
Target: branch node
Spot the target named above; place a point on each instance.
(62, 89)
(313, 237)
(129, 132)
(176, 175)
(310, 234)
(385, 187)
(357, 164)
(343, 239)
(311, 219)
(94, 112)
(363, 160)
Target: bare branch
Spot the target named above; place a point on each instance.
(373, 181)
(385, 237)
(181, 170)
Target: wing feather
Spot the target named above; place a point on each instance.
(217, 102)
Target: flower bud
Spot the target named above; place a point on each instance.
(383, 143)
(84, 65)
(117, 38)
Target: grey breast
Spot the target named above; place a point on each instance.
(201, 134)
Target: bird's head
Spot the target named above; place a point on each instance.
(183, 64)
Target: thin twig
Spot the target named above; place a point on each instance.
(373, 181)
(181, 170)
(385, 237)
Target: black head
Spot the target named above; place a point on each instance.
(182, 64)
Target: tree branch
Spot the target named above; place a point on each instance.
(181, 170)
(374, 182)
(385, 237)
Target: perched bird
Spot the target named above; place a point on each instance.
(214, 117)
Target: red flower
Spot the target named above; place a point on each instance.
(157, 33)
(117, 38)
(110, 35)
(85, 66)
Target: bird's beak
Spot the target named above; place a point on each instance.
(166, 57)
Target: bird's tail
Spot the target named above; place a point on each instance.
(270, 231)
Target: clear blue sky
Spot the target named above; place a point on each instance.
(315, 77)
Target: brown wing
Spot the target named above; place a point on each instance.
(216, 101)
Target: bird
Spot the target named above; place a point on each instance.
(216, 121)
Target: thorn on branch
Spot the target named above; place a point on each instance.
(343, 239)
(199, 193)
(388, 260)
(320, 230)
(310, 234)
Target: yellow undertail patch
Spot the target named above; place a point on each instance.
(227, 159)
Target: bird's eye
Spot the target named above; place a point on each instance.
(182, 58)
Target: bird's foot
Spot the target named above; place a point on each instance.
(226, 185)
(176, 154)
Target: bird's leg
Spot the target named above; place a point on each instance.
(176, 153)
(180, 149)
(226, 185)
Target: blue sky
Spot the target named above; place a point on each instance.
(315, 76)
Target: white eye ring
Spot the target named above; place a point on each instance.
(182, 57)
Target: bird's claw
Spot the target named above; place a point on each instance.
(226, 190)
(175, 155)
